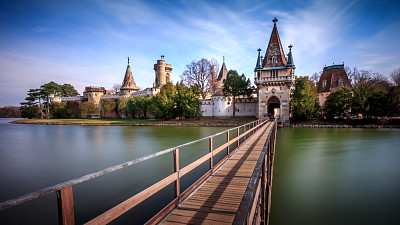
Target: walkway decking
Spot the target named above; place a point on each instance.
(217, 200)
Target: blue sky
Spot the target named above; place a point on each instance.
(86, 43)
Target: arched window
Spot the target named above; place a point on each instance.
(273, 59)
(340, 82)
(324, 83)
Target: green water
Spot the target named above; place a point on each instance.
(336, 176)
(36, 156)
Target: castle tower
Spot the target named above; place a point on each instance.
(163, 72)
(128, 86)
(221, 77)
(274, 77)
(332, 78)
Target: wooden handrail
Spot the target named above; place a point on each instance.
(247, 207)
(64, 190)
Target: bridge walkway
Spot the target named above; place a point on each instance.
(217, 200)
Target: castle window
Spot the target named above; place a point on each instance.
(274, 59)
(324, 83)
(340, 82)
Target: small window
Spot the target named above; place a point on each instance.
(324, 83)
(274, 59)
(340, 81)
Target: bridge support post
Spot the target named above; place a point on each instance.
(210, 142)
(65, 203)
(177, 186)
(227, 140)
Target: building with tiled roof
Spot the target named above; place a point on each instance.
(332, 78)
(128, 86)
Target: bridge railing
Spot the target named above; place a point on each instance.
(65, 194)
(256, 202)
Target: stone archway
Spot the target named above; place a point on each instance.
(274, 107)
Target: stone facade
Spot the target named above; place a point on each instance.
(221, 107)
(274, 77)
(163, 72)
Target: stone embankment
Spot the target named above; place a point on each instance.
(342, 126)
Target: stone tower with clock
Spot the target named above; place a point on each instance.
(274, 77)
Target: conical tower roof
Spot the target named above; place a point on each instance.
(274, 55)
(290, 62)
(223, 72)
(129, 82)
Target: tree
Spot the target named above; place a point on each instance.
(202, 74)
(143, 104)
(29, 111)
(116, 88)
(132, 107)
(315, 77)
(235, 86)
(68, 90)
(89, 108)
(304, 102)
(395, 77)
(338, 104)
(122, 106)
(109, 105)
(187, 101)
(41, 97)
(163, 105)
(59, 110)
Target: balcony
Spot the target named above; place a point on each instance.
(274, 80)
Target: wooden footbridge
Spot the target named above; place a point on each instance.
(235, 190)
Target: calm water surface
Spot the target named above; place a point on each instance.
(322, 176)
(336, 176)
(36, 156)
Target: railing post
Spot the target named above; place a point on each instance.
(227, 140)
(65, 202)
(211, 150)
(176, 169)
(238, 134)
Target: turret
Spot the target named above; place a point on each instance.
(162, 72)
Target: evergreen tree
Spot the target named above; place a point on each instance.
(235, 86)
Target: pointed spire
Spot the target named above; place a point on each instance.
(129, 84)
(223, 72)
(258, 64)
(274, 55)
(290, 57)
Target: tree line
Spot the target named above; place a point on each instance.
(372, 95)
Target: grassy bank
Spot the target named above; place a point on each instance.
(210, 122)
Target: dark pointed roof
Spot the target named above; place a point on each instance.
(129, 82)
(329, 80)
(258, 64)
(223, 72)
(274, 50)
(290, 62)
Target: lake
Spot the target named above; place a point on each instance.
(321, 176)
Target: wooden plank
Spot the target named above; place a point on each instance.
(192, 187)
(214, 216)
(65, 206)
(126, 205)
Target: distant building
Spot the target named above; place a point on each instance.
(274, 76)
(163, 73)
(128, 86)
(332, 78)
(219, 83)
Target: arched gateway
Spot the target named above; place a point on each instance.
(274, 107)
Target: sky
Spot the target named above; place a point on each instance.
(86, 43)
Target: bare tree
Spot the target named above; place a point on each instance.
(395, 77)
(315, 77)
(214, 69)
(116, 87)
(201, 74)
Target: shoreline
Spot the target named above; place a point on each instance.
(167, 123)
(369, 126)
